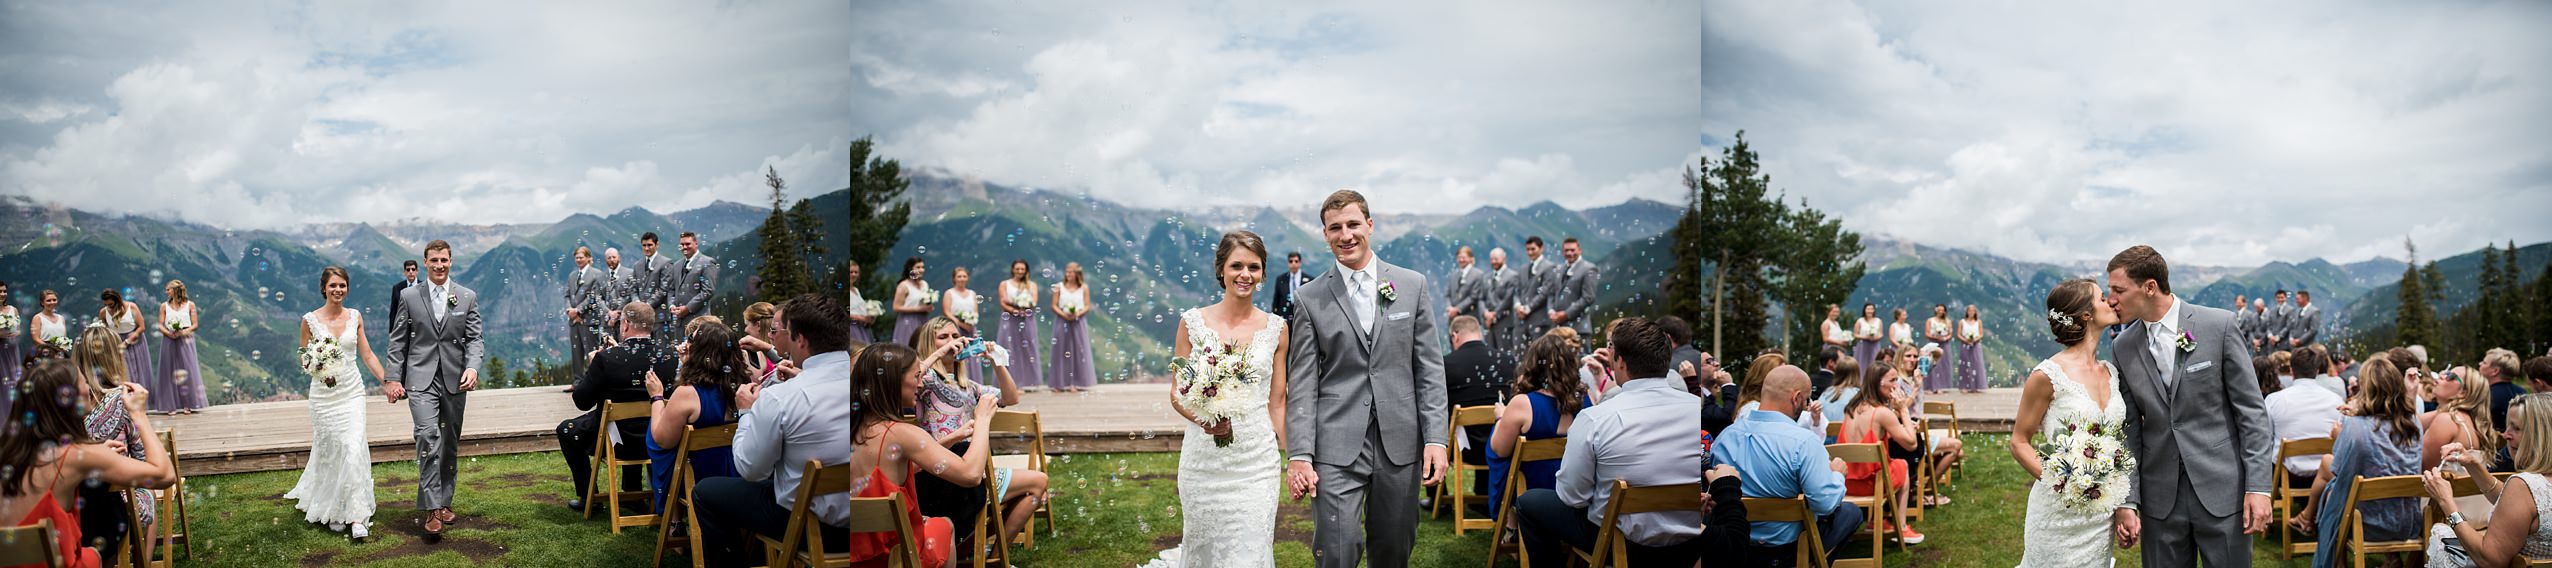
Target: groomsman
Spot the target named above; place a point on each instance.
(1540, 283)
(2245, 321)
(698, 280)
(2303, 327)
(2275, 322)
(1466, 291)
(585, 300)
(615, 287)
(1504, 289)
(1282, 303)
(652, 281)
(408, 267)
(1576, 291)
(2259, 325)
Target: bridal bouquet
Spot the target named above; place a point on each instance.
(323, 358)
(1212, 382)
(2087, 465)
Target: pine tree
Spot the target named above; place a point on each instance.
(878, 213)
(1737, 214)
(1684, 287)
(2414, 321)
(1819, 265)
(784, 272)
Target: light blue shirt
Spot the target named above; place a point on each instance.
(1648, 433)
(1778, 460)
(808, 417)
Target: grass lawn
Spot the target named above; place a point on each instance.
(1115, 510)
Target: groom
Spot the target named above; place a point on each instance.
(1368, 393)
(2191, 403)
(434, 359)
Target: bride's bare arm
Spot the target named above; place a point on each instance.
(1276, 386)
(363, 344)
(2035, 394)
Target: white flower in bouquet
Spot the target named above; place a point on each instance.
(2087, 465)
(967, 317)
(1212, 383)
(9, 321)
(1022, 299)
(929, 297)
(61, 342)
(873, 308)
(323, 358)
(1069, 305)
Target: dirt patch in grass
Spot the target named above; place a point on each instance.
(478, 551)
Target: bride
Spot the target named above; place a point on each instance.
(2071, 400)
(336, 485)
(1227, 493)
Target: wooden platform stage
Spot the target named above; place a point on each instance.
(270, 436)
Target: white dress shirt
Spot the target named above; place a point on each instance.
(1645, 435)
(802, 419)
(1363, 289)
(2165, 339)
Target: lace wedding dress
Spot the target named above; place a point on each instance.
(1228, 495)
(2053, 534)
(336, 485)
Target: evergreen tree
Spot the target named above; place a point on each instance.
(1738, 213)
(1684, 287)
(2414, 322)
(1819, 265)
(784, 271)
(878, 214)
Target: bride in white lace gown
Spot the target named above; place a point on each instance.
(336, 485)
(1228, 494)
(2071, 390)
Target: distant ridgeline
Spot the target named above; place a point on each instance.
(252, 286)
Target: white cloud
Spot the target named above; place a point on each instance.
(2222, 134)
(1170, 104)
(261, 116)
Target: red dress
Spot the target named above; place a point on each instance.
(936, 534)
(1859, 479)
(65, 525)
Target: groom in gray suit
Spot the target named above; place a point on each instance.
(2191, 403)
(434, 359)
(1364, 414)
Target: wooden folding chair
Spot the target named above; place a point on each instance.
(1525, 451)
(1833, 430)
(802, 542)
(1027, 426)
(1455, 490)
(607, 464)
(174, 522)
(136, 534)
(991, 540)
(1876, 504)
(2286, 498)
(678, 502)
(2370, 489)
(1794, 509)
(1944, 413)
(886, 514)
(1610, 543)
(34, 544)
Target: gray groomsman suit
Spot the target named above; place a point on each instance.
(1501, 298)
(2186, 413)
(1368, 394)
(1467, 291)
(587, 291)
(652, 283)
(433, 339)
(1576, 295)
(2247, 322)
(2273, 324)
(1541, 290)
(696, 280)
(2305, 324)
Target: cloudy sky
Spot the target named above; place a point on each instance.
(264, 114)
(2222, 133)
(1434, 107)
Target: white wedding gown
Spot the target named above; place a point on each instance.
(2054, 535)
(336, 485)
(1228, 495)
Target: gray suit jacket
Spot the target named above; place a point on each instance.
(696, 279)
(2211, 410)
(1505, 288)
(1467, 293)
(2247, 322)
(1576, 293)
(654, 281)
(1540, 284)
(589, 290)
(2273, 323)
(1341, 380)
(2305, 324)
(619, 289)
(428, 352)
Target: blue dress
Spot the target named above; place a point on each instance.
(2365, 447)
(712, 462)
(1539, 474)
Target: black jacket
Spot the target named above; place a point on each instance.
(1717, 412)
(1280, 303)
(1475, 376)
(619, 374)
(395, 290)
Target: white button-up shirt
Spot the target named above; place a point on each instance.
(802, 419)
(1364, 286)
(2165, 338)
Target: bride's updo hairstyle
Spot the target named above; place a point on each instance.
(333, 272)
(1237, 240)
(2069, 310)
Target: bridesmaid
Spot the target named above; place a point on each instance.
(1971, 352)
(859, 323)
(1936, 334)
(962, 306)
(1834, 335)
(1867, 336)
(1019, 325)
(1901, 334)
(12, 361)
(124, 317)
(49, 328)
(179, 388)
(910, 309)
(1072, 369)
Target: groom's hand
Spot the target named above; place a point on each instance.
(2254, 513)
(469, 380)
(394, 390)
(2126, 527)
(1301, 479)
(1434, 465)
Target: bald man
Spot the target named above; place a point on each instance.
(1781, 460)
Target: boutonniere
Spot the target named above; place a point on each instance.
(1388, 292)
(452, 301)
(2187, 343)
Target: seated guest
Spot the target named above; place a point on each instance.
(1881, 414)
(1725, 533)
(1474, 376)
(2278, 366)
(2380, 438)
(1781, 461)
(779, 428)
(2516, 516)
(1686, 354)
(2313, 364)
(1719, 396)
(885, 380)
(40, 473)
(102, 507)
(2300, 412)
(1811, 417)
(2462, 417)
(703, 396)
(1643, 434)
(762, 358)
(2499, 366)
(1550, 400)
(1825, 372)
(2538, 373)
(1839, 396)
(617, 374)
(948, 392)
